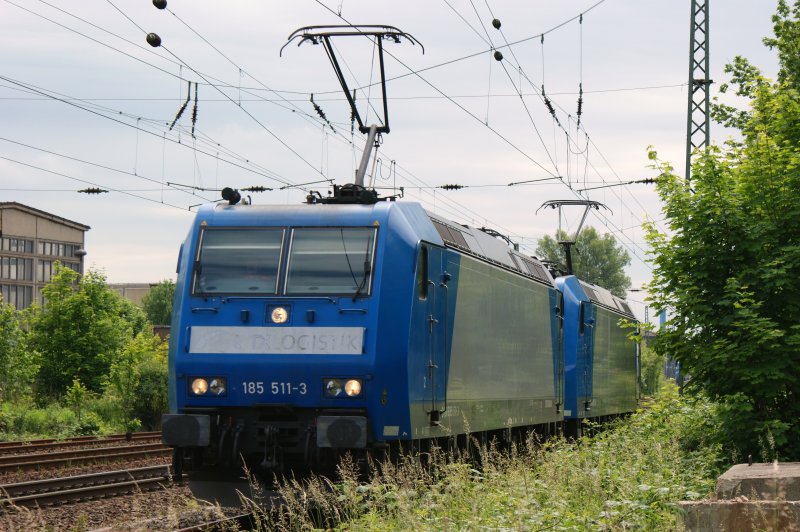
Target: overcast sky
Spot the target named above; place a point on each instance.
(85, 102)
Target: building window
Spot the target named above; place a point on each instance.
(16, 268)
(16, 245)
(44, 271)
(46, 268)
(56, 249)
(17, 296)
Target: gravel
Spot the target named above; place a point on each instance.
(168, 509)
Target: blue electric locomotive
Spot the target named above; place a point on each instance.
(302, 330)
(601, 364)
(353, 324)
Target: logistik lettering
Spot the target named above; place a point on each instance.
(285, 340)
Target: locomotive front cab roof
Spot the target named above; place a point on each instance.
(296, 250)
(579, 290)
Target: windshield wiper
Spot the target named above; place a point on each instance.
(363, 283)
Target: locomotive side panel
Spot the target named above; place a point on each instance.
(501, 363)
(614, 367)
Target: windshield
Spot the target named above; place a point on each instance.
(238, 261)
(331, 261)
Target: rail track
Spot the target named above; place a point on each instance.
(9, 447)
(28, 462)
(54, 491)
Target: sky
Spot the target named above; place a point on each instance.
(85, 102)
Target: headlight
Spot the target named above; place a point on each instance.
(279, 315)
(199, 386)
(333, 388)
(217, 386)
(342, 387)
(352, 387)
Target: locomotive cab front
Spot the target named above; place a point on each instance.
(273, 355)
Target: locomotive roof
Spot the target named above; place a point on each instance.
(583, 291)
(469, 240)
(476, 242)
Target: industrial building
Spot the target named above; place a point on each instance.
(31, 242)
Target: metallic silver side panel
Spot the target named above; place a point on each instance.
(277, 340)
(614, 367)
(501, 370)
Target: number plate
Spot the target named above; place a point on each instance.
(274, 388)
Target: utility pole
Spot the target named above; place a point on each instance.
(698, 119)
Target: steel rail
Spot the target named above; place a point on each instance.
(66, 444)
(77, 439)
(86, 493)
(31, 487)
(44, 461)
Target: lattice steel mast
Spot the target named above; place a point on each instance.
(698, 119)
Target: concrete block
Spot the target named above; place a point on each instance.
(768, 482)
(741, 516)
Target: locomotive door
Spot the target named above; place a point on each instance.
(587, 321)
(433, 289)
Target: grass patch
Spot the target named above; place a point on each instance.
(24, 420)
(628, 476)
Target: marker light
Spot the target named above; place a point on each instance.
(199, 386)
(352, 388)
(217, 386)
(279, 315)
(333, 388)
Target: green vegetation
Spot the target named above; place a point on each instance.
(627, 477)
(83, 363)
(157, 304)
(80, 328)
(727, 269)
(595, 259)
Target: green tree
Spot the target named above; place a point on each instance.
(18, 364)
(728, 269)
(79, 330)
(157, 303)
(137, 379)
(595, 259)
(76, 396)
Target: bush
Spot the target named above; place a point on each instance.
(137, 381)
(629, 476)
(89, 424)
(22, 420)
(150, 400)
(652, 370)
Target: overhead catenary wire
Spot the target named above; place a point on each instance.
(217, 82)
(440, 198)
(73, 103)
(605, 220)
(83, 161)
(121, 191)
(416, 72)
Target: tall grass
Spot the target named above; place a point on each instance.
(627, 476)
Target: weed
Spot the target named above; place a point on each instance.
(629, 476)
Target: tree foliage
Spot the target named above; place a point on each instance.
(79, 329)
(137, 379)
(157, 303)
(18, 364)
(595, 259)
(728, 269)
